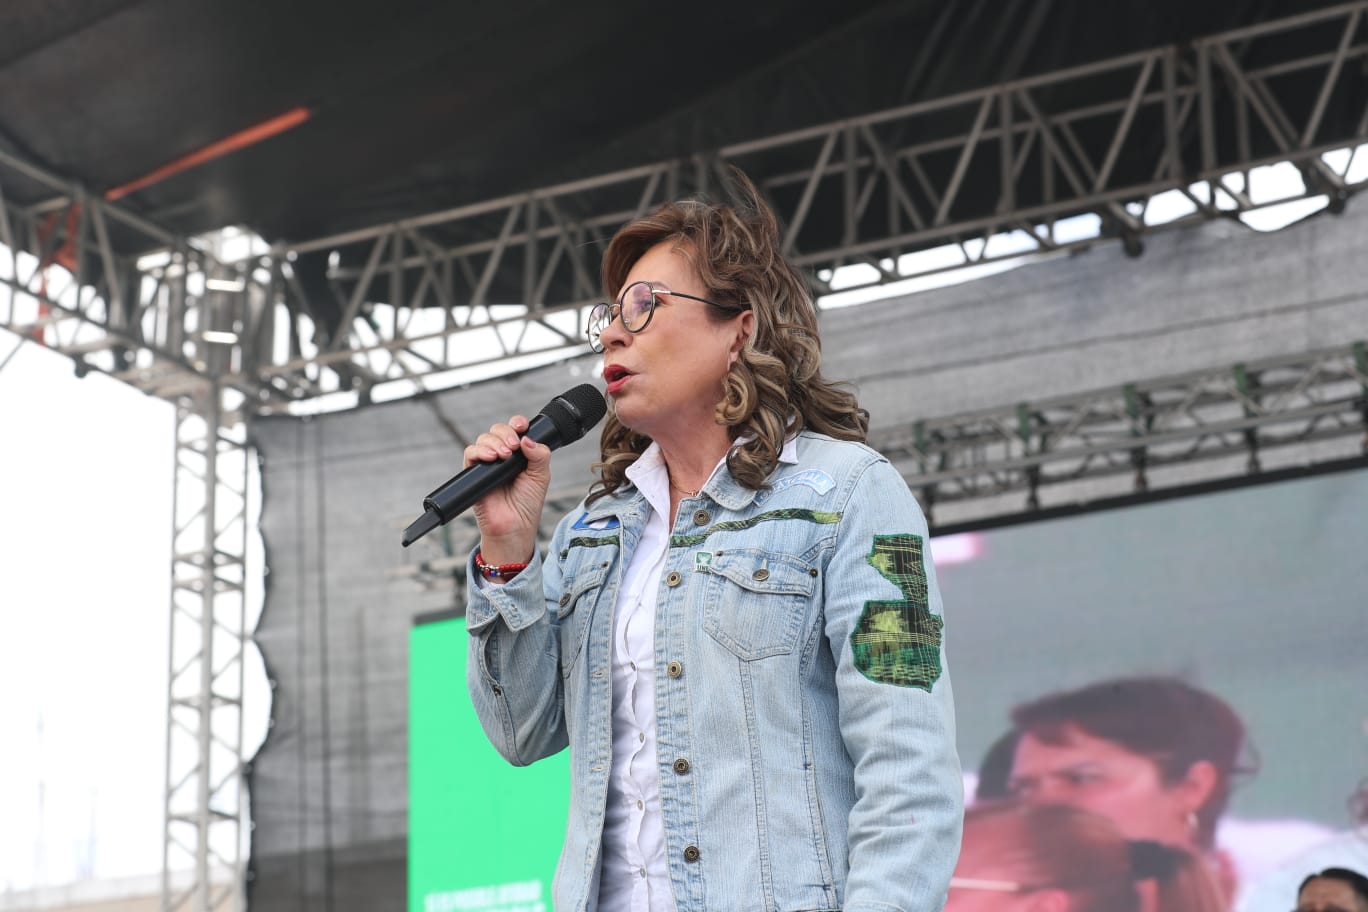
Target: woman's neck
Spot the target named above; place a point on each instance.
(690, 459)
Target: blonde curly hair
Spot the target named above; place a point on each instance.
(775, 388)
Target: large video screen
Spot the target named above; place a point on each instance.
(1191, 675)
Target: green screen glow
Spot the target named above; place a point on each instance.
(484, 836)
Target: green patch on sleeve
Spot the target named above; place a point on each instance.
(898, 642)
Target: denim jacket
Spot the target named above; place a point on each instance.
(805, 724)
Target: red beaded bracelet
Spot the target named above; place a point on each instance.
(498, 571)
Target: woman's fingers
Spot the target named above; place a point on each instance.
(499, 442)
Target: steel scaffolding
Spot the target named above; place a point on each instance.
(227, 339)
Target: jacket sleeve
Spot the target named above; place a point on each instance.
(884, 622)
(513, 672)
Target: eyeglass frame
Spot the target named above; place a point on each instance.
(614, 312)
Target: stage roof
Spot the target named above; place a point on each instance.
(417, 106)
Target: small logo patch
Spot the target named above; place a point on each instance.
(816, 479)
(702, 561)
(598, 525)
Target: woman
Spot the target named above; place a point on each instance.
(738, 632)
(1155, 755)
(1024, 858)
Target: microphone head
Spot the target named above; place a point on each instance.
(575, 411)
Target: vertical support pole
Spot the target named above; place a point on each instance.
(205, 822)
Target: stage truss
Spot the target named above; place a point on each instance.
(421, 302)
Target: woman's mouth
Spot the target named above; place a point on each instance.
(616, 376)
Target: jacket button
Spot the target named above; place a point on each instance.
(673, 579)
(681, 766)
(760, 575)
(702, 517)
(564, 599)
(691, 853)
(674, 669)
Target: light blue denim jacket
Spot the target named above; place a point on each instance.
(804, 716)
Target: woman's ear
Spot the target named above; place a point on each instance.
(1197, 785)
(745, 325)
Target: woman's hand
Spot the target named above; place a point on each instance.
(509, 515)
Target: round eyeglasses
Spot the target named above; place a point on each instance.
(636, 305)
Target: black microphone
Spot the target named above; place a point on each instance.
(565, 419)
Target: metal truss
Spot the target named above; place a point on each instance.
(981, 177)
(1008, 463)
(206, 812)
(1066, 449)
(73, 293)
(990, 173)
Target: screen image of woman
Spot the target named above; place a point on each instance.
(1154, 755)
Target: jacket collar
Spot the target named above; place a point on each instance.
(721, 487)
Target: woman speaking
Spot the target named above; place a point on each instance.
(738, 633)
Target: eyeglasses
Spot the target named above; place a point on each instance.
(636, 306)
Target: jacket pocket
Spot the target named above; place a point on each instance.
(755, 601)
(575, 609)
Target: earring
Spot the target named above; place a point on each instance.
(1192, 823)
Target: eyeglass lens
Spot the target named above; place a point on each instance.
(636, 306)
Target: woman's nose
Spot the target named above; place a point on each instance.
(615, 332)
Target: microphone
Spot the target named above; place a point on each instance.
(563, 420)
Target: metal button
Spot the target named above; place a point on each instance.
(691, 853)
(760, 575)
(640, 805)
(498, 691)
(681, 766)
(702, 517)
(673, 579)
(564, 599)
(674, 669)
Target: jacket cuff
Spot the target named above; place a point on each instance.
(520, 600)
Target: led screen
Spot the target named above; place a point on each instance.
(1232, 625)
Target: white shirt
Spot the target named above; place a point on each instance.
(635, 876)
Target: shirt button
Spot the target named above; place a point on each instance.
(702, 517)
(673, 579)
(681, 766)
(498, 691)
(564, 599)
(674, 669)
(691, 853)
(640, 805)
(641, 736)
(643, 872)
(812, 571)
(760, 575)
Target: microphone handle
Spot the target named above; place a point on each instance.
(454, 497)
